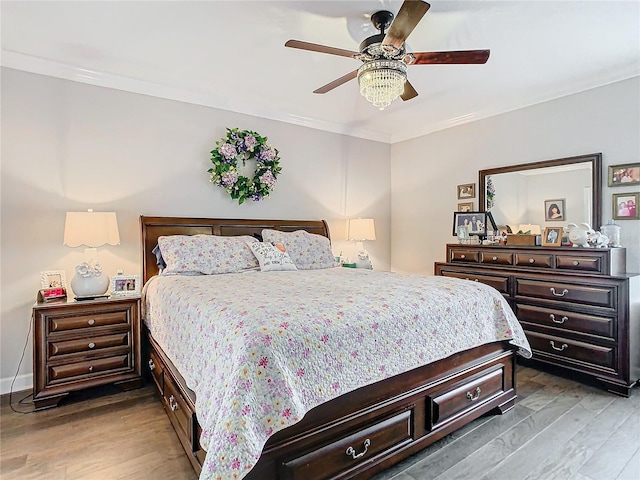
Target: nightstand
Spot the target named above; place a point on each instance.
(84, 344)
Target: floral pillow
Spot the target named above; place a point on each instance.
(307, 250)
(272, 256)
(208, 254)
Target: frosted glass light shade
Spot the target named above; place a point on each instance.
(362, 229)
(92, 229)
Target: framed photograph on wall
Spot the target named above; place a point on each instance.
(552, 237)
(554, 210)
(125, 285)
(53, 279)
(465, 207)
(468, 190)
(474, 222)
(625, 206)
(623, 175)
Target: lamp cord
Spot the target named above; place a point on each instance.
(21, 401)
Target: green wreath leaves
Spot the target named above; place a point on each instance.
(242, 146)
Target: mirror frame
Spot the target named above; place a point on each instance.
(596, 180)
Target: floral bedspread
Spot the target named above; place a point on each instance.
(261, 349)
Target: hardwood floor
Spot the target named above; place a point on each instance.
(559, 429)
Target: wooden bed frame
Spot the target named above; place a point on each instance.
(356, 434)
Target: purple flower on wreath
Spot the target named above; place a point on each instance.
(268, 179)
(249, 143)
(267, 153)
(229, 178)
(256, 197)
(228, 151)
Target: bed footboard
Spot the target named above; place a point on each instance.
(368, 430)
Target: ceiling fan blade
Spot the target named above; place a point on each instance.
(406, 20)
(314, 47)
(409, 91)
(460, 57)
(337, 82)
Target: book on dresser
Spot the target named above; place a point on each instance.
(579, 308)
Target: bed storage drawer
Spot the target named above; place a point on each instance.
(565, 320)
(461, 395)
(179, 412)
(349, 452)
(157, 371)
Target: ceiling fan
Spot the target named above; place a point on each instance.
(383, 74)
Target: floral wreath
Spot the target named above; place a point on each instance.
(244, 145)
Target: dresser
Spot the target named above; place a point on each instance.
(578, 307)
(85, 344)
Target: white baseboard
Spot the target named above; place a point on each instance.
(23, 382)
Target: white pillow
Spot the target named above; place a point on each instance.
(272, 256)
(208, 254)
(307, 250)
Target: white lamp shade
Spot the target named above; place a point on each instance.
(527, 227)
(92, 229)
(362, 229)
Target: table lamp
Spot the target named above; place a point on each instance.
(92, 229)
(361, 229)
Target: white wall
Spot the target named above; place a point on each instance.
(426, 170)
(69, 146)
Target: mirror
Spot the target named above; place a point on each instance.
(548, 193)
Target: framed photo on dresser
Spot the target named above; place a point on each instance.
(474, 222)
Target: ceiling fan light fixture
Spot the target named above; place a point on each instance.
(382, 81)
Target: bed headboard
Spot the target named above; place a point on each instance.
(154, 227)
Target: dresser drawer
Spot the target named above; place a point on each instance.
(89, 367)
(578, 263)
(88, 344)
(462, 395)
(572, 350)
(496, 258)
(177, 408)
(469, 256)
(349, 452)
(61, 324)
(578, 322)
(500, 283)
(534, 260)
(602, 296)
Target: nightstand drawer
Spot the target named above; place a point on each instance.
(89, 344)
(93, 320)
(90, 367)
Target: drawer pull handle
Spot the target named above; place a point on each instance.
(91, 368)
(91, 322)
(352, 453)
(91, 345)
(461, 256)
(564, 292)
(576, 263)
(495, 258)
(152, 366)
(531, 260)
(561, 348)
(475, 395)
(173, 405)
(562, 320)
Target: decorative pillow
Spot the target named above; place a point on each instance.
(208, 254)
(307, 250)
(272, 256)
(159, 260)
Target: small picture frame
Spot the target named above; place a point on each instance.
(125, 285)
(624, 175)
(462, 233)
(554, 210)
(53, 279)
(552, 237)
(625, 206)
(468, 190)
(465, 207)
(475, 223)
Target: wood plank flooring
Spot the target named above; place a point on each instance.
(559, 429)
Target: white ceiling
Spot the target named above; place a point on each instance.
(231, 55)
